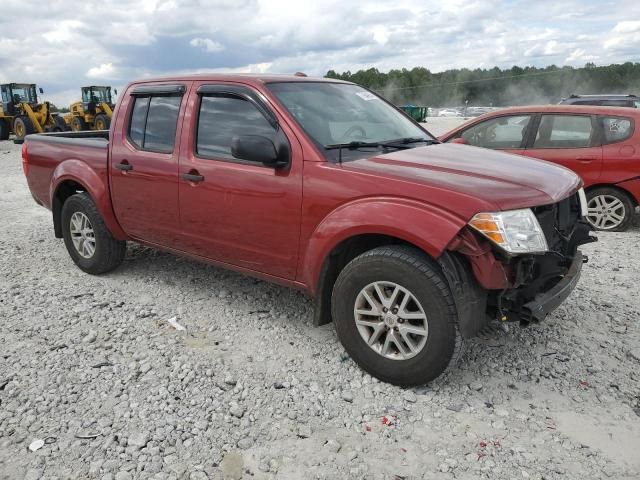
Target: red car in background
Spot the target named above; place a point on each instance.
(601, 144)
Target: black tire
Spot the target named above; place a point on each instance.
(4, 129)
(109, 252)
(625, 209)
(78, 124)
(22, 127)
(416, 272)
(102, 122)
(60, 124)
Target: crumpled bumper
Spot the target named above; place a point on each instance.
(546, 302)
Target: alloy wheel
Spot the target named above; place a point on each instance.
(391, 320)
(82, 235)
(605, 212)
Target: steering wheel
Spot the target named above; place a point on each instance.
(352, 130)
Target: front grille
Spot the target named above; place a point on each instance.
(564, 230)
(559, 222)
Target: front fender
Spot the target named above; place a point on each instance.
(427, 227)
(94, 184)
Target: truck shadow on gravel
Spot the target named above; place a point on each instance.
(180, 281)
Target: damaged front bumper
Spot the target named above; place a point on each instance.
(546, 302)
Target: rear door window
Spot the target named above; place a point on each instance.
(153, 122)
(564, 131)
(616, 129)
(499, 133)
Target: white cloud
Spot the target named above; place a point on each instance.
(138, 38)
(207, 45)
(106, 70)
(627, 27)
(580, 57)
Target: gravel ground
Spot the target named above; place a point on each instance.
(252, 390)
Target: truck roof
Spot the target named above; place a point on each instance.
(251, 78)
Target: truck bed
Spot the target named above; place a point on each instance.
(54, 156)
(95, 138)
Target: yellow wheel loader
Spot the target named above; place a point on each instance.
(21, 113)
(93, 112)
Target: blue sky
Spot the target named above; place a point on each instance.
(62, 45)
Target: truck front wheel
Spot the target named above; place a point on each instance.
(88, 241)
(395, 316)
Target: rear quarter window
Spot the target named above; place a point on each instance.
(616, 129)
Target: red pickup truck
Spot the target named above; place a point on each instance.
(407, 244)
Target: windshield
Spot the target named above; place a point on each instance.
(96, 94)
(337, 113)
(23, 93)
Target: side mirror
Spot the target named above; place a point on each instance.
(115, 91)
(41, 91)
(255, 148)
(460, 140)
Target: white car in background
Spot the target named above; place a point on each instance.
(449, 112)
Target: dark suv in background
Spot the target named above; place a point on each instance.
(603, 100)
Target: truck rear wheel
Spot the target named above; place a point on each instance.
(22, 127)
(102, 122)
(88, 241)
(395, 316)
(4, 129)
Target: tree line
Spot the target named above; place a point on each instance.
(495, 86)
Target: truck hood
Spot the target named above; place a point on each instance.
(504, 180)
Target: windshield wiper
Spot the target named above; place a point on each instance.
(354, 144)
(399, 143)
(409, 140)
(395, 143)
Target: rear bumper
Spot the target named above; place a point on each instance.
(546, 302)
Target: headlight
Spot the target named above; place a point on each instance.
(515, 231)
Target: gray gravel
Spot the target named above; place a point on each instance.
(252, 390)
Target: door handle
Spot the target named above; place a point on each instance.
(193, 176)
(124, 166)
(586, 159)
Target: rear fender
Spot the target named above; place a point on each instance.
(95, 185)
(632, 187)
(422, 225)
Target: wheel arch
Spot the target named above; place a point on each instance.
(332, 246)
(615, 186)
(73, 176)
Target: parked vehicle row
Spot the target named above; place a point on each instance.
(408, 245)
(601, 144)
(93, 111)
(22, 114)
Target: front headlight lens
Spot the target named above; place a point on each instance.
(516, 231)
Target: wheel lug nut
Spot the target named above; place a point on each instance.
(395, 310)
(385, 309)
